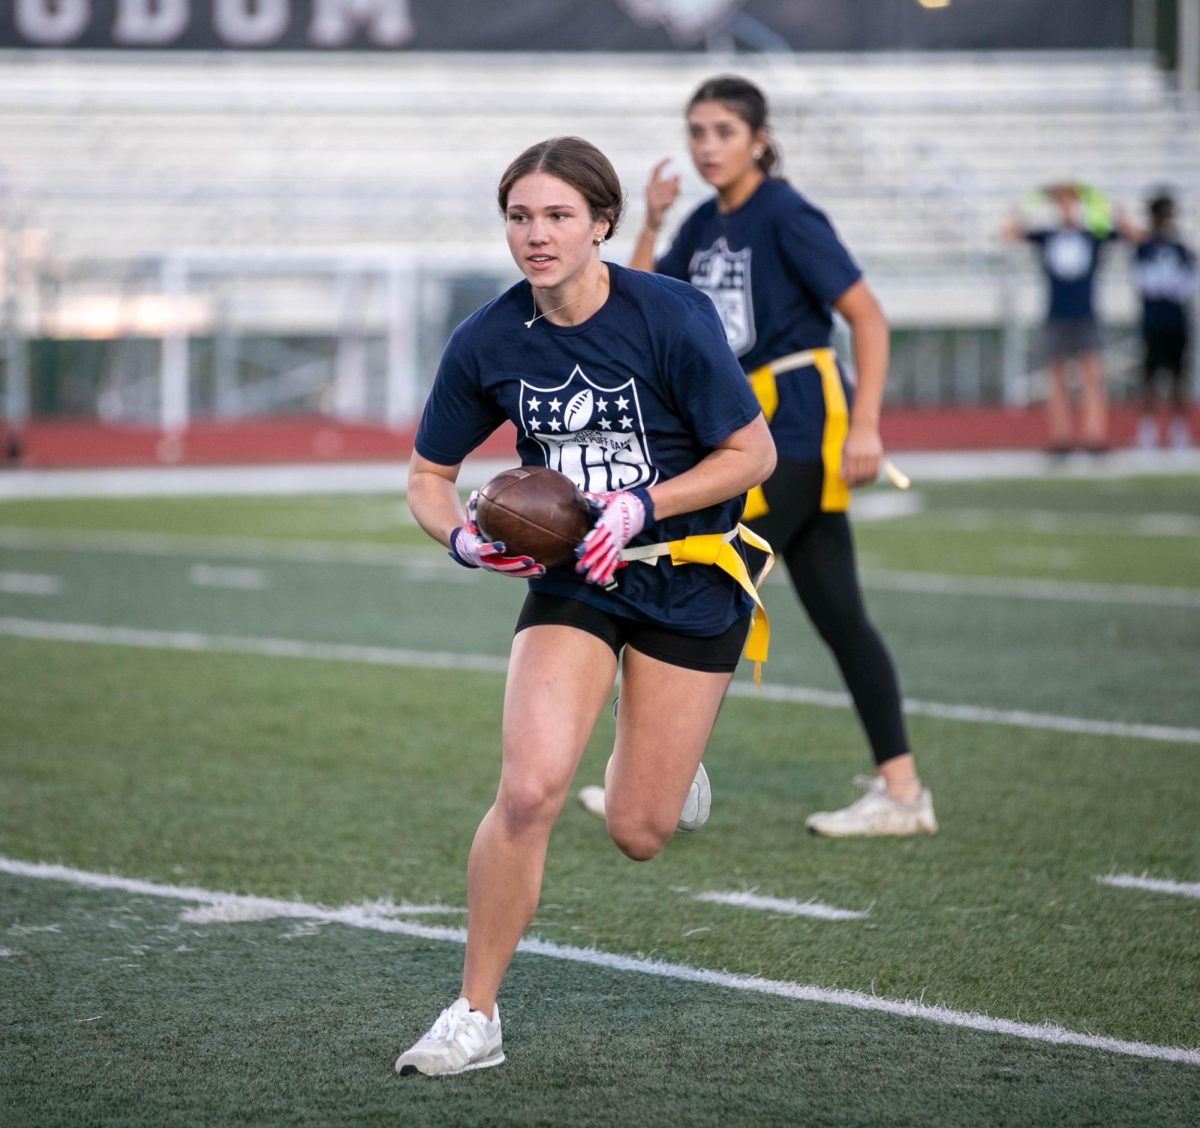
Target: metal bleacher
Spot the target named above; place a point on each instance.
(919, 156)
(113, 167)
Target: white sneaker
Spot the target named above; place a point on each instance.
(696, 806)
(460, 1039)
(876, 813)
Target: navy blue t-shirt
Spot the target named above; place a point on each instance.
(1166, 279)
(1070, 258)
(773, 267)
(637, 394)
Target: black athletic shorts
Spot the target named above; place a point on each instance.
(1164, 353)
(714, 654)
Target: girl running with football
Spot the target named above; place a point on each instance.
(666, 438)
(776, 270)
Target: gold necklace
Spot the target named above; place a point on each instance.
(573, 301)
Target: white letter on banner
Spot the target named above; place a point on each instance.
(247, 23)
(139, 24)
(334, 22)
(46, 23)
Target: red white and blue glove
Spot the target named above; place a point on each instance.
(621, 516)
(469, 549)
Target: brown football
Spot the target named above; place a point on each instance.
(536, 512)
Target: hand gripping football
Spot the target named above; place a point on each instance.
(536, 512)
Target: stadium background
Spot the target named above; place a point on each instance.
(247, 726)
(241, 232)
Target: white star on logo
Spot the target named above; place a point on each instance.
(555, 405)
(622, 403)
(534, 424)
(534, 404)
(555, 425)
(602, 405)
(604, 424)
(626, 422)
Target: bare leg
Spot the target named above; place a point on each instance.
(1095, 402)
(666, 716)
(559, 678)
(900, 775)
(1058, 407)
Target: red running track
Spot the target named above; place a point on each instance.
(80, 444)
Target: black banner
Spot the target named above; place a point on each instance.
(562, 25)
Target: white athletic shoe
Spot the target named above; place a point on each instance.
(592, 798)
(696, 806)
(876, 813)
(460, 1039)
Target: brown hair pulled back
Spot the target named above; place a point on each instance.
(576, 162)
(750, 104)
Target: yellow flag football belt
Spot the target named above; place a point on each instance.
(717, 549)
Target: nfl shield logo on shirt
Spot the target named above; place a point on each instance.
(593, 435)
(724, 275)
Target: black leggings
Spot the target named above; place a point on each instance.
(818, 550)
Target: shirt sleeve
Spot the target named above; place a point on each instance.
(458, 415)
(814, 253)
(709, 388)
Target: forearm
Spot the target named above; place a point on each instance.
(433, 499)
(870, 347)
(869, 343)
(643, 250)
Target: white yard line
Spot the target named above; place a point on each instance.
(195, 641)
(430, 564)
(29, 583)
(362, 917)
(234, 579)
(818, 910)
(932, 583)
(1153, 884)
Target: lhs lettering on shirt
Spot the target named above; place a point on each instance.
(724, 275)
(594, 435)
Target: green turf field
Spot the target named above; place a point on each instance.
(206, 702)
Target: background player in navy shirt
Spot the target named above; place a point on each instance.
(1070, 253)
(624, 382)
(776, 270)
(1165, 272)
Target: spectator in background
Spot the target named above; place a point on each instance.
(1070, 253)
(1165, 272)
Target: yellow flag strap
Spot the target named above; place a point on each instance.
(717, 549)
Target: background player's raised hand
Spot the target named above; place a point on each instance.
(661, 192)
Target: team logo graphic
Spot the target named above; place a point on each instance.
(724, 275)
(594, 435)
(1068, 255)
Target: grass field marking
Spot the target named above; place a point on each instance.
(233, 579)
(429, 565)
(1154, 884)
(29, 583)
(1061, 591)
(360, 917)
(1057, 522)
(974, 714)
(818, 910)
(194, 641)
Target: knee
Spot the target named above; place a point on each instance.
(527, 803)
(638, 839)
